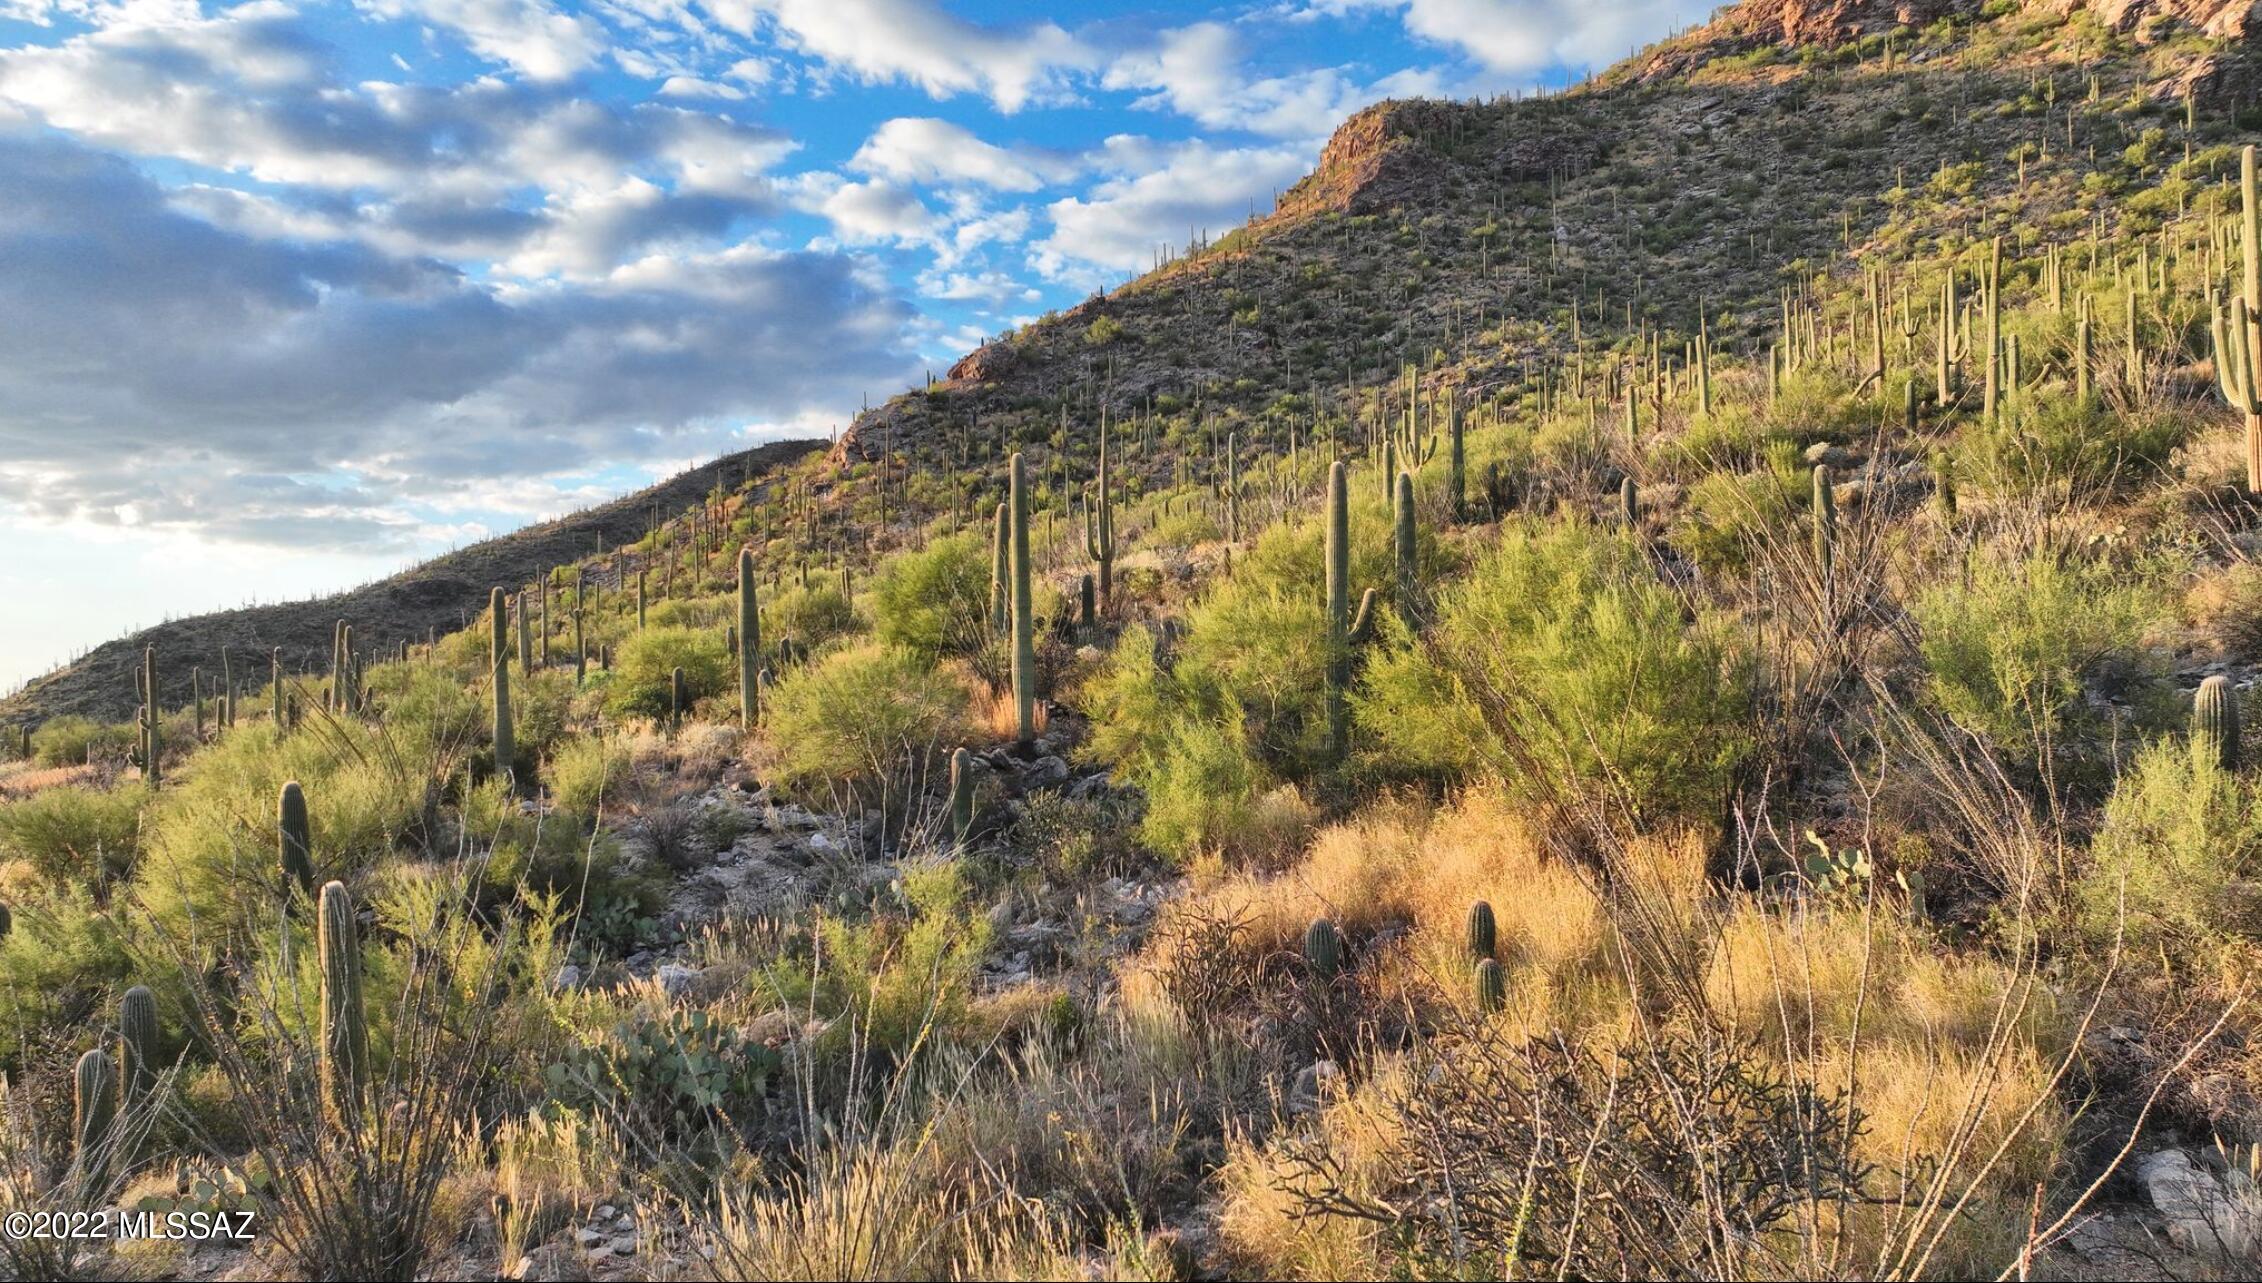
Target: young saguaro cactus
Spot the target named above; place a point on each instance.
(679, 696)
(275, 687)
(1492, 986)
(2214, 723)
(294, 840)
(1825, 522)
(345, 1033)
(137, 1046)
(1323, 949)
(499, 659)
(1344, 629)
(1024, 608)
(961, 795)
(1483, 930)
(749, 642)
(1001, 572)
(1456, 461)
(94, 1116)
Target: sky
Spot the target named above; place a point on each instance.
(295, 294)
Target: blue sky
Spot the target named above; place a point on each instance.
(298, 293)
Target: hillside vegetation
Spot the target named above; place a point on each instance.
(1641, 683)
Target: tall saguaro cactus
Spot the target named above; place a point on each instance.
(749, 642)
(345, 1034)
(499, 658)
(2237, 337)
(1099, 526)
(151, 746)
(1001, 572)
(1404, 544)
(1024, 608)
(1344, 630)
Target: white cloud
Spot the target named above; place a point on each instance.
(916, 42)
(922, 149)
(1160, 194)
(1201, 72)
(1527, 36)
(529, 35)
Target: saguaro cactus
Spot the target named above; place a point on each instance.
(1001, 572)
(499, 658)
(294, 840)
(1483, 930)
(749, 642)
(1404, 545)
(525, 635)
(1024, 608)
(137, 1046)
(275, 687)
(2214, 723)
(1099, 526)
(1492, 986)
(1344, 630)
(1456, 461)
(679, 695)
(1825, 522)
(2237, 337)
(151, 746)
(961, 795)
(95, 1112)
(1323, 949)
(345, 1034)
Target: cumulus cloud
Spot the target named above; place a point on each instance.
(1157, 195)
(926, 150)
(170, 371)
(915, 42)
(1528, 36)
(1201, 72)
(528, 35)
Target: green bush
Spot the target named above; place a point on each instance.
(1561, 663)
(63, 957)
(76, 837)
(587, 772)
(810, 616)
(71, 740)
(2012, 645)
(2183, 840)
(911, 976)
(935, 601)
(644, 665)
(858, 715)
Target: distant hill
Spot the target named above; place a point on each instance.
(437, 596)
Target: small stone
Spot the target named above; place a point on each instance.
(625, 1245)
(568, 977)
(550, 1263)
(2205, 1211)
(675, 979)
(1314, 1085)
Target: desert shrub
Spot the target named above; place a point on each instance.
(935, 601)
(904, 977)
(1728, 514)
(644, 665)
(1562, 664)
(589, 771)
(2176, 854)
(674, 1072)
(857, 715)
(2013, 645)
(63, 956)
(811, 616)
(73, 836)
(70, 740)
(2054, 440)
